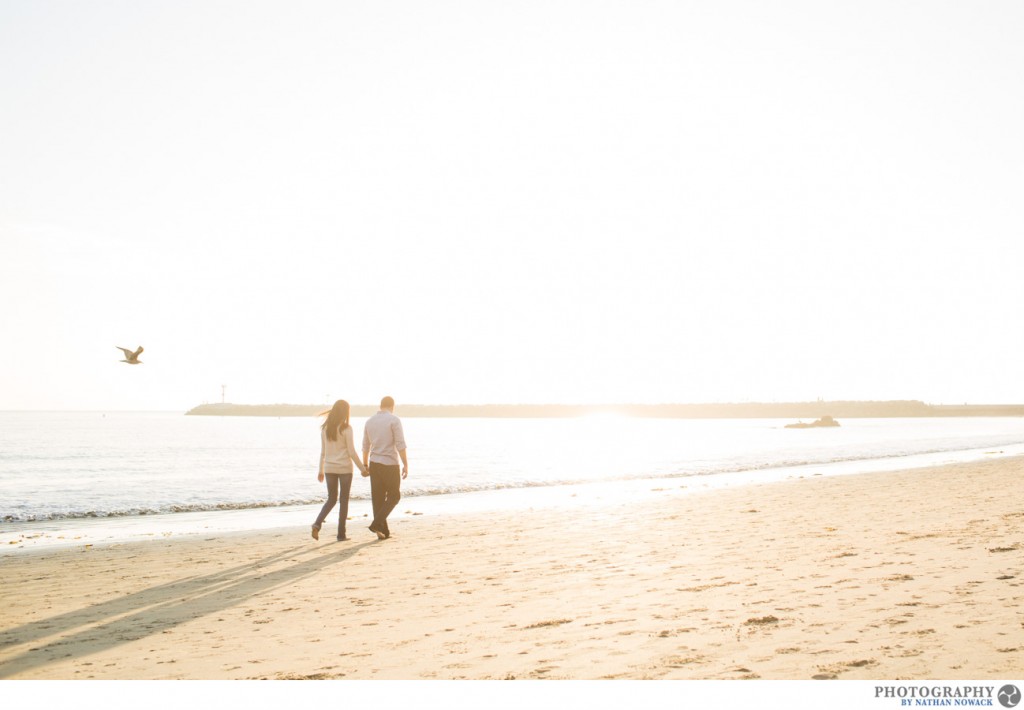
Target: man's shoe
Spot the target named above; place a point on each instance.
(342, 538)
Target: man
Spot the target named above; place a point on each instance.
(383, 444)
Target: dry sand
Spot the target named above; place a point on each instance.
(905, 575)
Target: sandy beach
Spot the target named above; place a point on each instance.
(902, 575)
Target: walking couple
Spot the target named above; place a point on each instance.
(383, 445)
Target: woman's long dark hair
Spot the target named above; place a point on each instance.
(337, 420)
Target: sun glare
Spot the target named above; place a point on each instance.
(604, 416)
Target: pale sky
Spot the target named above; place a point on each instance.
(528, 201)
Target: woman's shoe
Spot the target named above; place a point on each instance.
(316, 532)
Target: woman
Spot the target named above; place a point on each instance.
(337, 454)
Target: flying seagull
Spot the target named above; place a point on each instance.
(132, 358)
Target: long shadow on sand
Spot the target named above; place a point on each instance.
(152, 611)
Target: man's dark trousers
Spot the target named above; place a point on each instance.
(385, 482)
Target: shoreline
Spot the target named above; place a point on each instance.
(912, 574)
(17, 537)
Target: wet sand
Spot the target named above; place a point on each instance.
(904, 575)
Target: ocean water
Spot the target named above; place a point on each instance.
(123, 466)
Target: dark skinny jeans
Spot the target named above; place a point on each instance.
(336, 482)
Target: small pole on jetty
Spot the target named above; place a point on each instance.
(223, 389)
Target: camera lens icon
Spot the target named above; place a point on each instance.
(1009, 696)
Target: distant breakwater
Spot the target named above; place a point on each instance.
(737, 410)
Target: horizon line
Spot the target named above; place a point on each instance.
(400, 405)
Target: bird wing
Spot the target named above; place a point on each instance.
(126, 351)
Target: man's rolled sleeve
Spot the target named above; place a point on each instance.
(399, 435)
